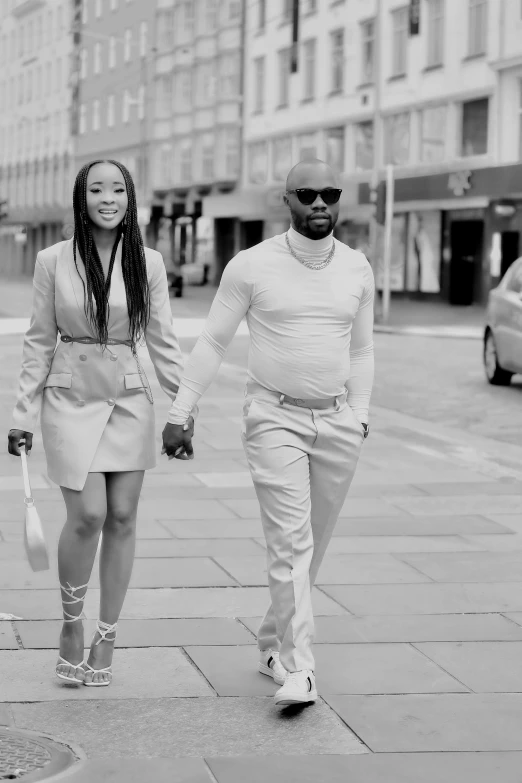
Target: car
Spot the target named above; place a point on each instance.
(503, 331)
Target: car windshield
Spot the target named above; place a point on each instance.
(512, 280)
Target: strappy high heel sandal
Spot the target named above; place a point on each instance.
(102, 629)
(70, 591)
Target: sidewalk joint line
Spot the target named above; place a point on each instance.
(196, 667)
(211, 775)
(222, 568)
(17, 635)
(240, 621)
(438, 665)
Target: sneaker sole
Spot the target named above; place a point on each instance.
(297, 698)
(264, 669)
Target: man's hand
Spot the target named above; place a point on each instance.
(19, 438)
(177, 440)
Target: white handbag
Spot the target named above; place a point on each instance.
(34, 540)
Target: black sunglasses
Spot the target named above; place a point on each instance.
(307, 196)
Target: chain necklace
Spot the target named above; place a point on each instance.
(312, 264)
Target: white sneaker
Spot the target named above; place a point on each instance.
(299, 688)
(270, 664)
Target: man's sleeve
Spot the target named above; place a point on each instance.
(230, 306)
(360, 382)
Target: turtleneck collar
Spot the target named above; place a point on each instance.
(309, 247)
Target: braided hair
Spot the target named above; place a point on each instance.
(133, 264)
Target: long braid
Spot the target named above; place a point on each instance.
(134, 268)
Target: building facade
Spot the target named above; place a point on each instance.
(440, 100)
(114, 63)
(35, 139)
(195, 151)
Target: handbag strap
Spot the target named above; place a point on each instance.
(25, 473)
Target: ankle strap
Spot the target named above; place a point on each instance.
(69, 591)
(104, 629)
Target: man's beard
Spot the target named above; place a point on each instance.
(306, 227)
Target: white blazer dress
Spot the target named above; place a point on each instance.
(95, 413)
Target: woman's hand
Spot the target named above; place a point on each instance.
(18, 438)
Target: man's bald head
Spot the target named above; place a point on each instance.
(306, 174)
(313, 220)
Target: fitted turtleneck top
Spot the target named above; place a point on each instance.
(311, 330)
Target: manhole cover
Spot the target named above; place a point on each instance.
(27, 756)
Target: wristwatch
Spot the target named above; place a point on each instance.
(366, 429)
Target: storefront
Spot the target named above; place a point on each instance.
(454, 234)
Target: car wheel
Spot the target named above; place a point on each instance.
(495, 374)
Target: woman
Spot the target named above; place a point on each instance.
(100, 293)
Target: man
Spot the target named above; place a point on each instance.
(308, 300)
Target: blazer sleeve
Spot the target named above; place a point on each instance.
(160, 337)
(39, 347)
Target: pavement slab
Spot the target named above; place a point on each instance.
(468, 566)
(392, 544)
(44, 634)
(221, 528)
(198, 547)
(7, 637)
(136, 770)
(428, 598)
(442, 723)
(484, 667)
(371, 768)
(335, 569)
(189, 727)
(368, 668)
(346, 629)
(447, 489)
(135, 677)
(406, 525)
(466, 504)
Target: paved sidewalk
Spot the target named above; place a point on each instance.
(419, 619)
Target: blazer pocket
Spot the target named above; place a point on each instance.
(133, 381)
(61, 379)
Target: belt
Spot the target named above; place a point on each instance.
(93, 341)
(316, 404)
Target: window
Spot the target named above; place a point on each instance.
(205, 81)
(28, 86)
(309, 6)
(114, 5)
(284, 76)
(475, 127)
(229, 65)
(287, 10)
(364, 146)
(127, 45)
(478, 11)
(83, 64)
(261, 15)
(97, 8)
(59, 21)
(110, 111)
(188, 16)
(309, 48)
(257, 162)
(186, 164)
(83, 119)
(96, 115)
(141, 102)
(97, 58)
(337, 44)
(335, 148)
(125, 107)
(165, 30)
(397, 139)
(259, 85)
(281, 158)
(112, 52)
(435, 33)
(85, 15)
(433, 134)
(184, 90)
(513, 278)
(210, 16)
(143, 39)
(207, 156)
(164, 96)
(368, 50)
(58, 75)
(231, 152)
(307, 145)
(400, 22)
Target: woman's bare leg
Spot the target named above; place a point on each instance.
(86, 513)
(116, 559)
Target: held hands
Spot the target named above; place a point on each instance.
(19, 438)
(177, 440)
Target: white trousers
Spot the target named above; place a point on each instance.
(302, 462)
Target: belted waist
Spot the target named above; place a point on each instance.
(93, 341)
(316, 404)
